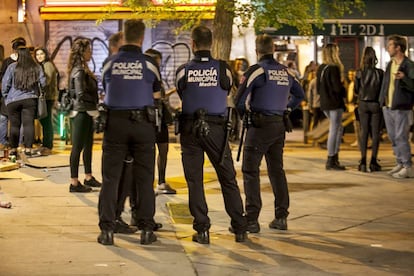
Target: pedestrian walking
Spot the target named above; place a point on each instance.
(397, 100)
(203, 85)
(265, 98)
(132, 83)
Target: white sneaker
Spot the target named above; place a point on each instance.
(395, 169)
(404, 173)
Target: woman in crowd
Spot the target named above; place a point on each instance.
(330, 85)
(367, 88)
(84, 91)
(20, 89)
(51, 93)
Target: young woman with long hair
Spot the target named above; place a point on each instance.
(20, 89)
(368, 82)
(330, 85)
(84, 90)
(51, 92)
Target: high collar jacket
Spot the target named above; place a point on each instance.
(368, 84)
(84, 89)
(404, 88)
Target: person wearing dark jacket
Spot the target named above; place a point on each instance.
(330, 77)
(397, 100)
(83, 88)
(367, 87)
(267, 93)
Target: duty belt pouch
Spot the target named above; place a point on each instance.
(200, 126)
(136, 116)
(151, 114)
(256, 119)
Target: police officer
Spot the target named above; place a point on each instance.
(267, 91)
(203, 85)
(132, 83)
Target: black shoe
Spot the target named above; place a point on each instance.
(374, 166)
(278, 223)
(240, 237)
(147, 237)
(253, 227)
(202, 237)
(362, 167)
(106, 237)
(156, 227)
(92, 182)
(79, 188)
(165, 189)
(123, 227)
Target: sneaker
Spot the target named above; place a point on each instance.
(406, 172)
(164, 188)
(92, 182)
(395, 169)
(279, 224)
(79, 188)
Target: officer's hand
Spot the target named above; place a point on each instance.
(287, 122)
(100, 121)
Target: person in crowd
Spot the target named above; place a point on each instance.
(129, 130)
(269, 91)
(314, 102)
(397, 100)
(83, 87)
(351, 106)
(16, 43)
(20, 90)
(367, 87)
(293, 69)
(51, 94)
(162, 135)
(203, 85)
(330, 79)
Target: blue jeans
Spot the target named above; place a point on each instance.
(335, 130)
(3, 129)
(398, 124)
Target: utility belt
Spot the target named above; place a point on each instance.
(198, 123)
(259, 119)
(148, 114)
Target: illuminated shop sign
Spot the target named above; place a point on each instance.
(76, 3)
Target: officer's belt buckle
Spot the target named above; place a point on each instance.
(136, 115)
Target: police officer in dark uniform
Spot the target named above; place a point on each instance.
(203, 85)
(267, 91)
(132, 83)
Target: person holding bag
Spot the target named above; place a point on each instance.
(50, 93)
(19, 88)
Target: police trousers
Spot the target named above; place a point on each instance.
(193, 149)
(268, 141)
(124, 136)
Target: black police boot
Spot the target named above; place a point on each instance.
(240, 237)
(374, 166)
(106, 237)
(362, 167)
(253, 226)
(147, 237)
(123, 227)
(202, 237)
(279, 224)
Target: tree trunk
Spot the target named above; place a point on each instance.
(222, 29)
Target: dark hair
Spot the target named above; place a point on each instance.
(134, 30)
(399, 41)
(18, 42)
(44, 50)
(153, 53)
(26, 74)
(369, 58)
(202, 37)
(264, 44)
(76, 56)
